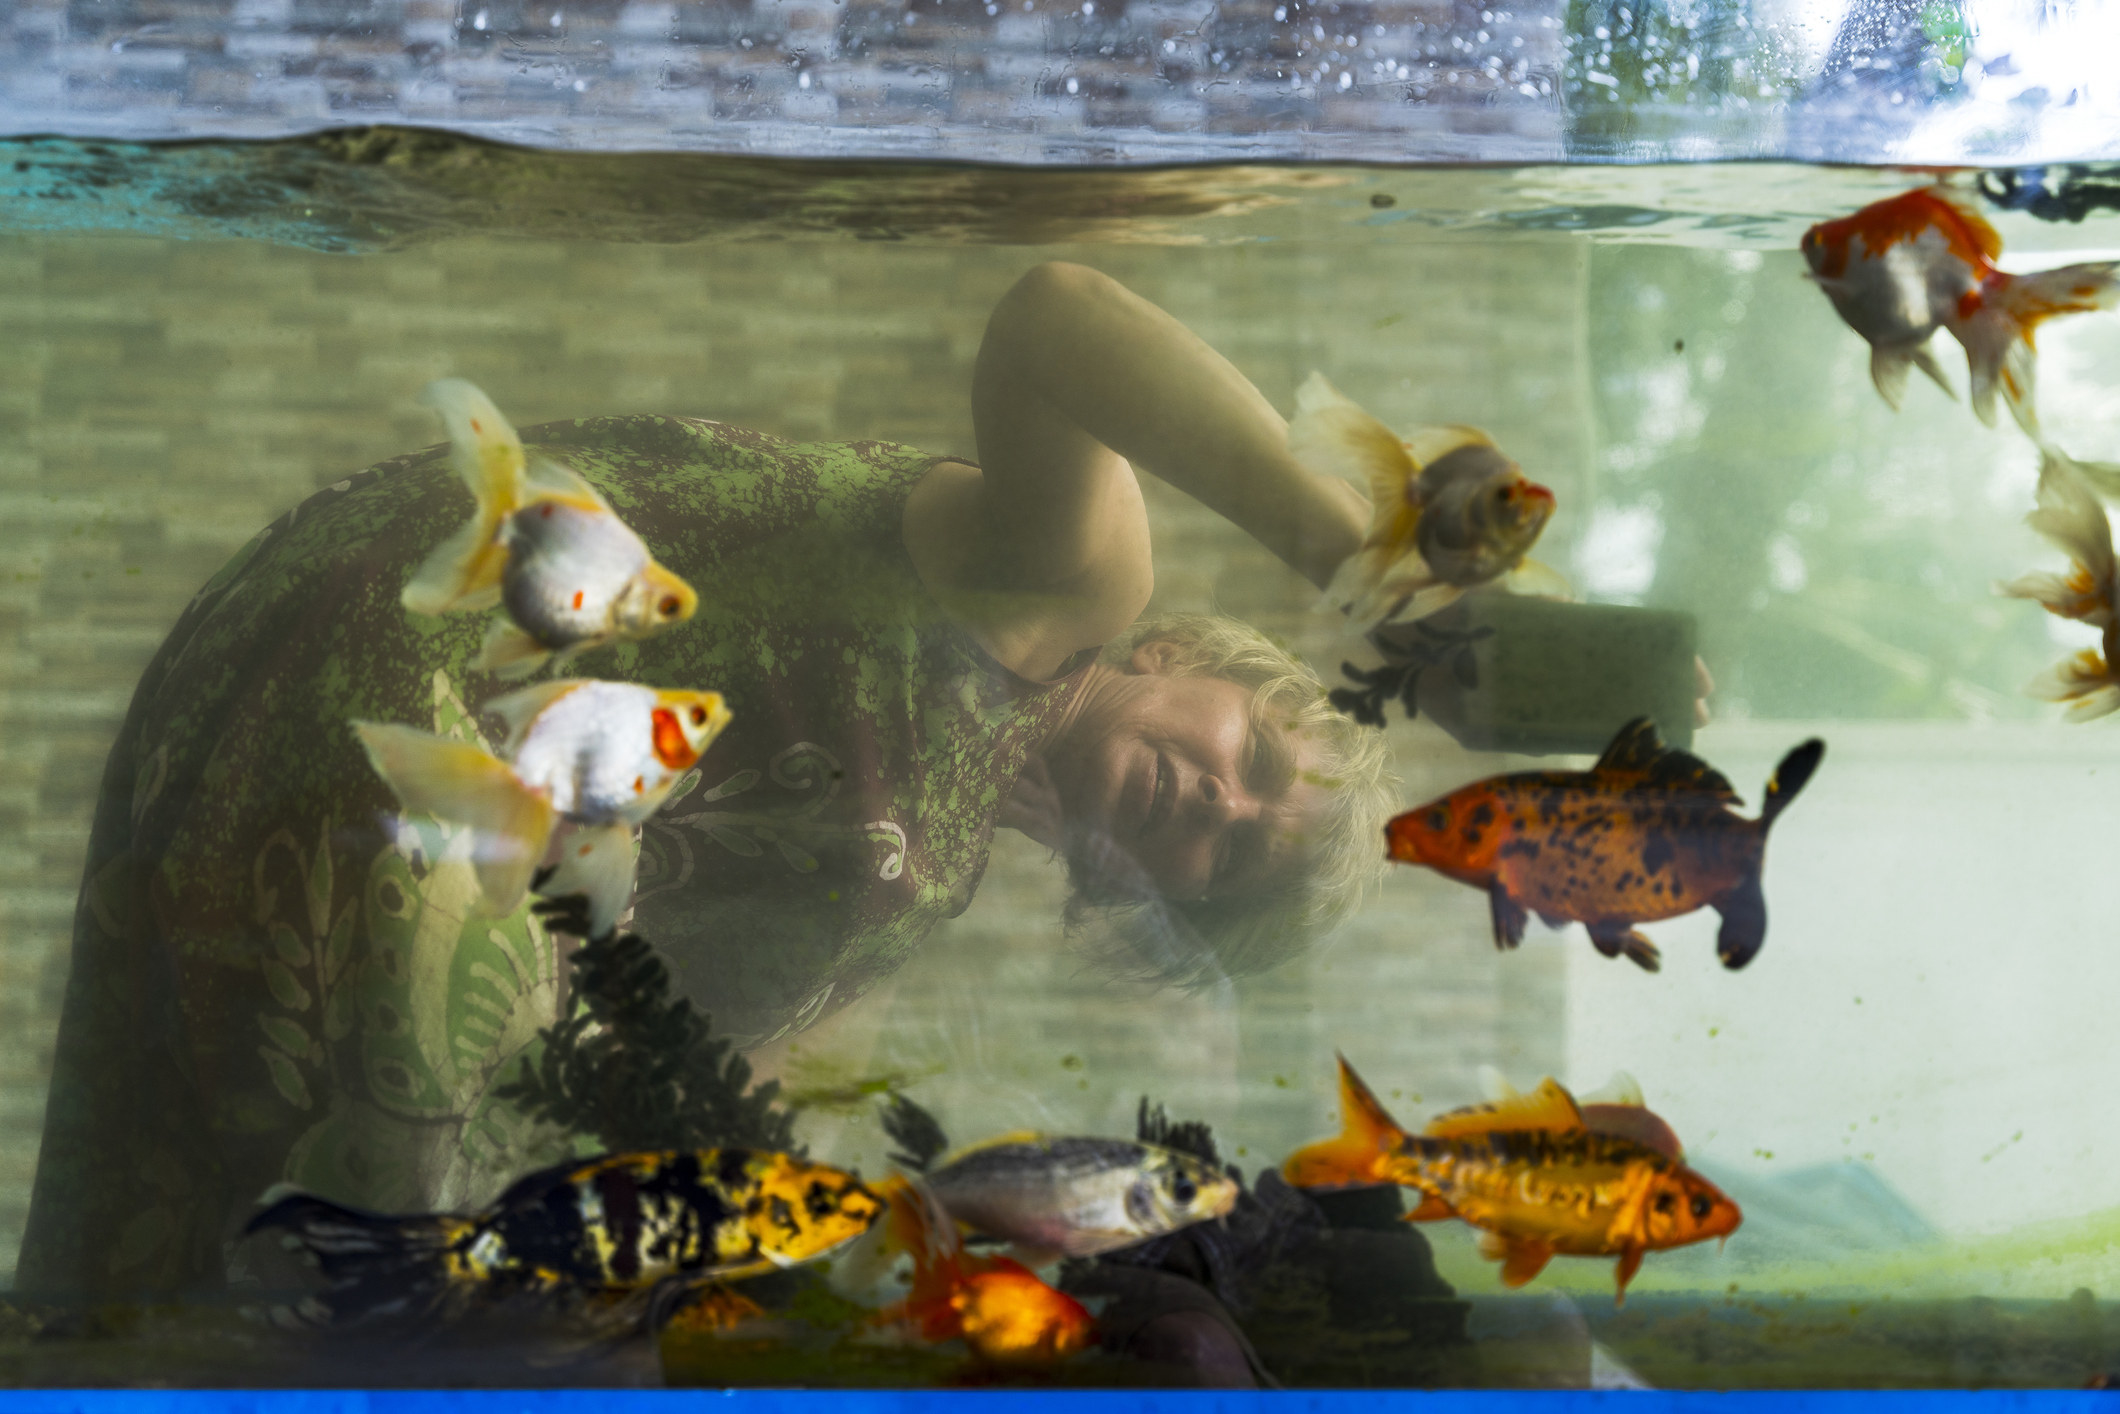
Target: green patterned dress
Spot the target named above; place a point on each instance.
(276, 978)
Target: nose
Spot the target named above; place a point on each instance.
(1222, 802)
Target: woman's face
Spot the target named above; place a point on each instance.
(1173, 771)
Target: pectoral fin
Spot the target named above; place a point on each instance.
(1521, 1261)
(1430, 1209)
(1630, 1262)
(510, 653)
(1509, 916)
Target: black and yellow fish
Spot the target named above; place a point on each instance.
(634, 1233)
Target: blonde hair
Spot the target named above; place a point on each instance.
(1195, 942)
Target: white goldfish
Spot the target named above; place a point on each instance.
(601, 755)
(544, 544)
(1899, 270)
(2073, 518)
(1451, 513)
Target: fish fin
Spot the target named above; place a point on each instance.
(1744, 923)
(1331, 435)
(1431, 599)
(1984, 235)
(1636, 1122)
(560, 480)
(375, 1265)
(1533, 579)
(2104, 477)
(1431, 1209)
(1630, 1262)
(596, 861)
(2084, 680)
(1368, 584)
(1888, 372)
(521, 707)
(1495, 1085)
(1925, 359)
(1491, 1245)
(1368, 1134)
(1638, 749)
(509, 652)
(1549, 1107)
(1621, 1090)
(1508, 914)
(1620, 939)
(1014, 1136)
(1429, 445)
(464, 571)
(1790, 777)
(467, 785)
(1997, 336)
(2068, 514)
(1521, 1261)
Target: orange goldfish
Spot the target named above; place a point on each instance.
(543, 544)
(1532, 1173)
(995, 1305)
(602, 755)
(1899, 270)
(1646, 833)
(1451, 513)
(2070, 516)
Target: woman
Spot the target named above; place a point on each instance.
(276, 978)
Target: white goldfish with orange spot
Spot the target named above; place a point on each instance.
(1451, 513)
(544, 544)
(1899, 270)
(602, 756)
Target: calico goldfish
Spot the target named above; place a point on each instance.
(1449, 511)
(1077, 1197)
(1899, 270)
(1531, 1174)
(601, 755)
(641, 1229)
(1646, 833)
(544, 544)
(2073, 518)
(995, 1305)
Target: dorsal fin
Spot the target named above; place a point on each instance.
(521, 707)
(1638, 750)
(1548, 1107)
(1637, 1122)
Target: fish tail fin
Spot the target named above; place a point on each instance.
(1354, 1158)
(916, 1224)
(464, 571)
(1998, 335)
(510, 653)
(376, 1265)
(1332, 436)
(1790, 777)
(597, 861)
(467, 785)
(2084, 680)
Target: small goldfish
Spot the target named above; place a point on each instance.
(1077, 1197)
(544, 544)
(1899, 270)
(602, 755)
(996, 1306)
(647, 1228)
(1451, 513)
(1531, 1173)
(1646, 833)
(2070, 516)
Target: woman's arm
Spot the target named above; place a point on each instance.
(1078, 377)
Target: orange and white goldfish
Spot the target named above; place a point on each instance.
(544, 544)
(1450, 512)
(637, 1229)
(601, 755)
(1532, 1173)
(1646, 833)
(1899, 270)
(2074, 519)
(997, 1306)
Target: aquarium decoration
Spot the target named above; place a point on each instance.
(916, 1132)
(1409, 650)
(633, 1067)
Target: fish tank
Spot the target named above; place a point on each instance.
(998, 693)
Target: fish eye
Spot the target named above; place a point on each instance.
(699, 716)
(669, 606)
(1664, 1202)
(1182, 1189)
(1702, 1205)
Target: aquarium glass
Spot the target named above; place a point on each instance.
(235, 966)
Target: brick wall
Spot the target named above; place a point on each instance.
(160, 400)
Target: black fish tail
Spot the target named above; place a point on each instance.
(375, 1265)
(1789, 777)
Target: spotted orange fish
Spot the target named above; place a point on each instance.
(1646, 833)
(1538, 1174)
(1899, 270)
